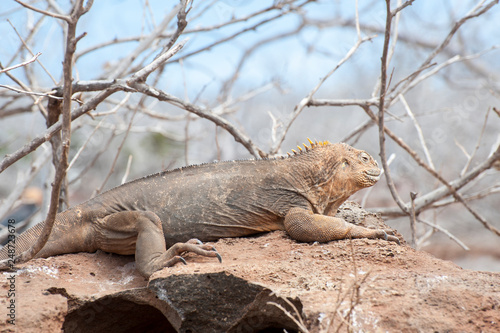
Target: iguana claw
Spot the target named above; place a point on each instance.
(389, 236)
(199, 243)
(196, 240)
(394, 239)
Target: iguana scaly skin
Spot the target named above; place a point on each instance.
(160, 216)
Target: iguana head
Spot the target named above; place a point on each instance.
(360, 167)
(336, 171)
(353, 168)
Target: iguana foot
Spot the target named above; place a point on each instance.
(141, 232)
(174, 255)
(305, 226)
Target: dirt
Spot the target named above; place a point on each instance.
(358, 285)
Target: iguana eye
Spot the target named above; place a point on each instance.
(364, 157)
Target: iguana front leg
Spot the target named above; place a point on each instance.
(141, 233)
(305, 226)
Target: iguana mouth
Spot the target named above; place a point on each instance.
(373, 174)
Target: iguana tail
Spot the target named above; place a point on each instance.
(21, 243)
(67, 236)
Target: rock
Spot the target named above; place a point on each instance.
(220, 302)
(133, 310)
(372, 285)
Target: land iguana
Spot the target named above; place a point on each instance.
(162, 216)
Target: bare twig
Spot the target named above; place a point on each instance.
(416, 80)
(446, 232)
(36, 142)
(401, 7)
(306, 100)
(30, 92)
(181, 25)
(118, 151)
(475, 12)
(44, 12)
(358, 131)
(26, 88)
(353, 293)
(27, 62)
(342, 102)
(419, 131)
(26, 46)
(426, 200)
(471, 156)
(496, 111)
(142, 75)
(254, 27)
(82, 148)
(469, 197)
(98, 154)
(381, 108)
(127, 169)
(125, 64)
(413, 218)
(300, 324)
(237, 134)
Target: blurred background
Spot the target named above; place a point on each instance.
(278, 72)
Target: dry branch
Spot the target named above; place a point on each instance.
(44, 12)
(381, 110)
(421, 136)
(207, 114)
(25, 92)
(71, 40)
(91, 104)
(446, 232)
(426, 200)
(123, 67)
(27, 62)
(473, 13)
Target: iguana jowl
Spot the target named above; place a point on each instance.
(160, 216)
